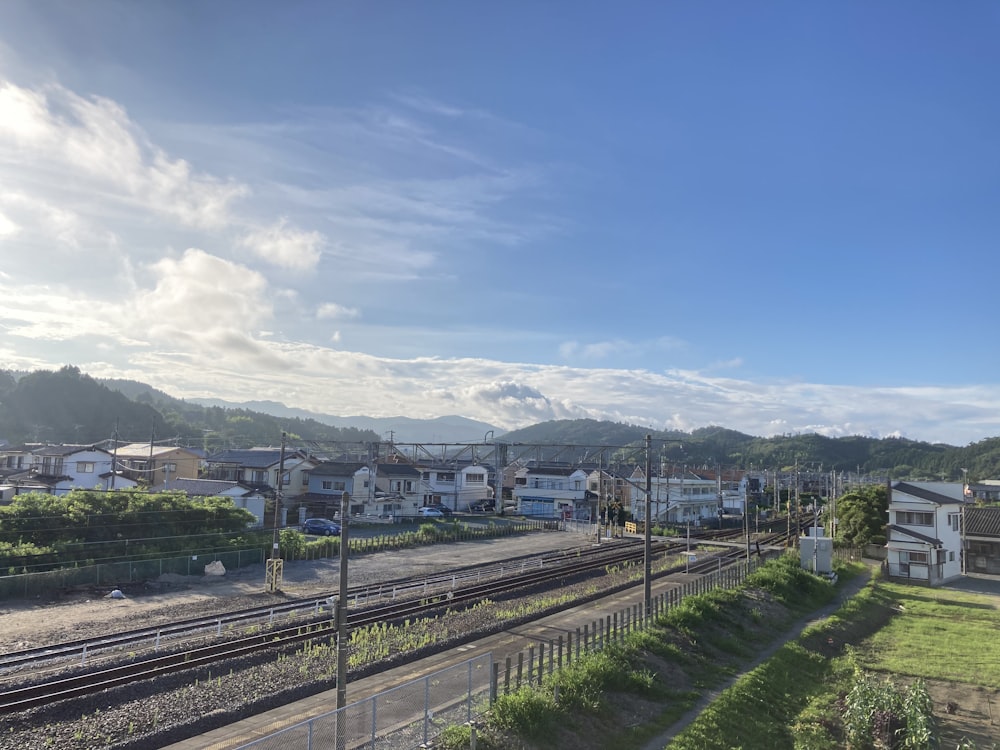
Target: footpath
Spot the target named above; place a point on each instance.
(849, 589)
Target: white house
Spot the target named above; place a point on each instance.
(455, 487)
(924, 531)
(57, 469)
(555, 492)
(681, 498)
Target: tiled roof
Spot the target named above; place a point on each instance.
(982, 521)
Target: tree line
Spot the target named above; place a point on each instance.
(39, 531)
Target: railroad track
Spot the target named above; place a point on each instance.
(86, 650)
(581, 562)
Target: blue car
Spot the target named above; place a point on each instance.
(321, 527)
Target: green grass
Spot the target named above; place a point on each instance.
(939, 634)
(699, 643)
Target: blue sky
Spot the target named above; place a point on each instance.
(775, 217)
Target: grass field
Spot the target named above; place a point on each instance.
(938, 634)
(897, 632)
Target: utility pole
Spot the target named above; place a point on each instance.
(275, 564)
(342, 607)
(114, 458)
(648, 548)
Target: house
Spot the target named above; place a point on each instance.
(924, 531)
(681, 497)
(327, 483)
(614, 486)
(456, 487)
(259, 468)
(157, 464)
(552, 492)
(399, 485)
(982, 540)
(242, 495)
(57, 469)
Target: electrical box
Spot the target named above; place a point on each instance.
(816, 553)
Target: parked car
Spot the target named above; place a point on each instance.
(321, 527)
(445, 510)
(483, 506)
(431, 513)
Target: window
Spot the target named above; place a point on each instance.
(446, 476)
(951, 556)
(258, 477)
(84, 467)
(327, 484)
(914, 518)
(954, 521)
(920, 558)
(340, 485)
(305, 478)
(475, 478)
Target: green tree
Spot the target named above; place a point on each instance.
(862, 515)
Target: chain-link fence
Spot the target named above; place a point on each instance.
(403, 718)
(113, 574)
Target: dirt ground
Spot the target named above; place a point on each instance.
(976, 713)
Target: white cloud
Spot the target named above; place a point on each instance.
(93, 139)
(331, 310)
(286, 247)
(7, 227)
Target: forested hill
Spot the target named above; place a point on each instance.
(69, 407)
(713, 446)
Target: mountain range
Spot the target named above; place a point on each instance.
(69, 406)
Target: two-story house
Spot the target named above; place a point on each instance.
(400, 487)
(157, 464)
(924, 531)
(456, 487)
(329, 481)
(681, 497)
(260, 469)
(57, 469)
(552, 492)
(614, 486)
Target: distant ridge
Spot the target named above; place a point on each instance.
(448, 429)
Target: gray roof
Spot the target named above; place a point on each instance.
(925, 494)
(982, 521)
(255, 458)
(396, 470)
(200, 487)
(65, 450)
(915, 534)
